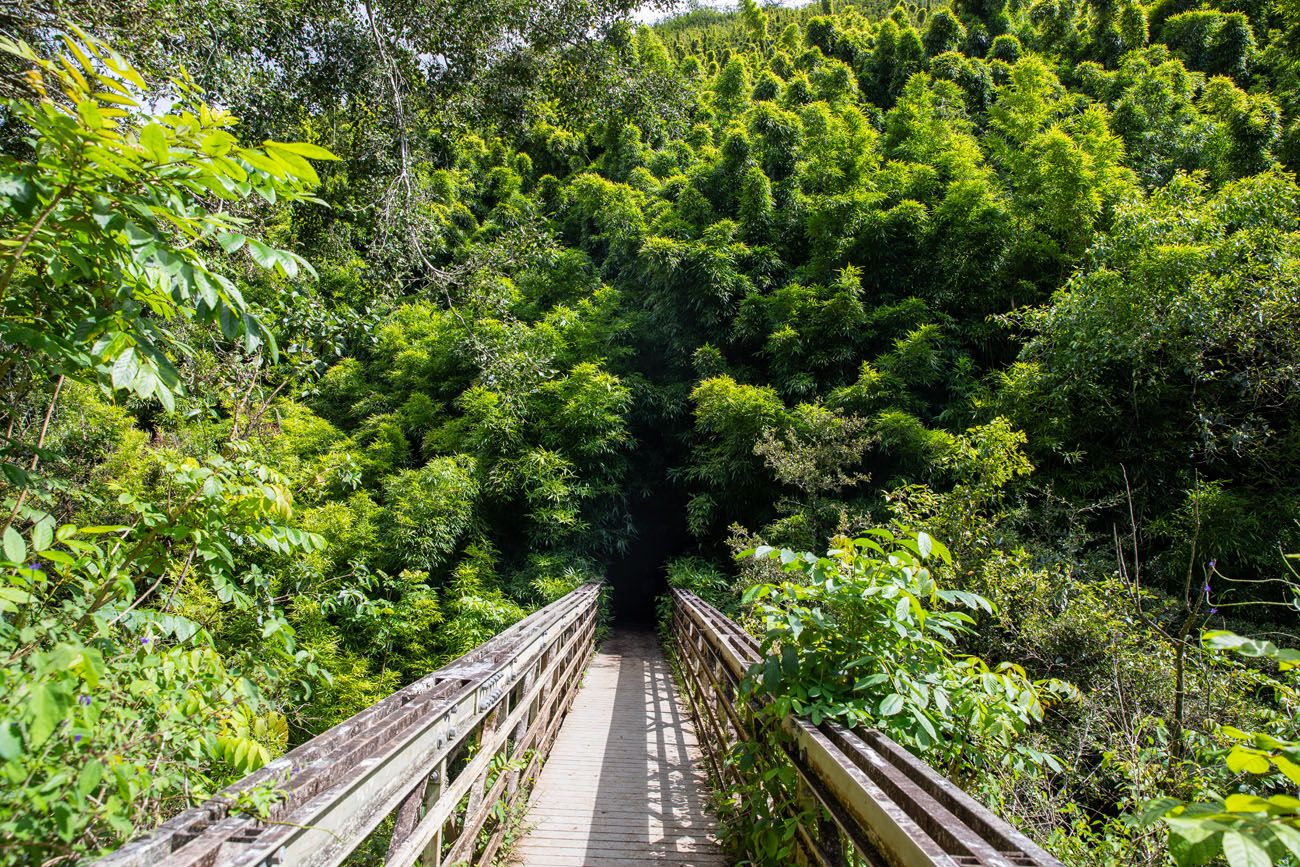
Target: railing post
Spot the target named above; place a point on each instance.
(463, 848)
(477, 791)
(518, 735)
(432, 854)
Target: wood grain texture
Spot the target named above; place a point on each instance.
(624, 783)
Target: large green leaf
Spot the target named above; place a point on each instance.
(1242, 851)
(47, 705)
(311, 151)
(14, 547)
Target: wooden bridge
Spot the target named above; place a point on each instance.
(621, 762)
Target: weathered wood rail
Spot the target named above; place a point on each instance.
(439, 756)
(865, 799)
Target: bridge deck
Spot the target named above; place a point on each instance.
(624, 784)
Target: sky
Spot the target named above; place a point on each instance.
(647, 14)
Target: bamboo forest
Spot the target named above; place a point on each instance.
(950, 348)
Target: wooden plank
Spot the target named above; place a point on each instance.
(624, 783)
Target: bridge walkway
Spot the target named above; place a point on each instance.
(625, 783)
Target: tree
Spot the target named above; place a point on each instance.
(1197, 382)
(756, 21)
(730, 418)
(943, 32)
(816, 454)
(109, 230)
(733, 89)
(1212, 42)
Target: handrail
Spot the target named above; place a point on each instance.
(873, 802)
(429, 755)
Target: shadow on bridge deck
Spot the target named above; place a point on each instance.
(625, 783)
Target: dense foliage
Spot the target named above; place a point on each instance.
(473, 295)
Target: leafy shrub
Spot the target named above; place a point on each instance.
(121, 708)
(867, 637)
(702, 578)
(1250, 827)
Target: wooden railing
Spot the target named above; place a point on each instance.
(864, 800)
(444, 757)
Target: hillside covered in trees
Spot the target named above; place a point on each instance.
(336, 337)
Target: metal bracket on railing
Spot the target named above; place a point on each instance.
(874, 802)
(490, 691)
